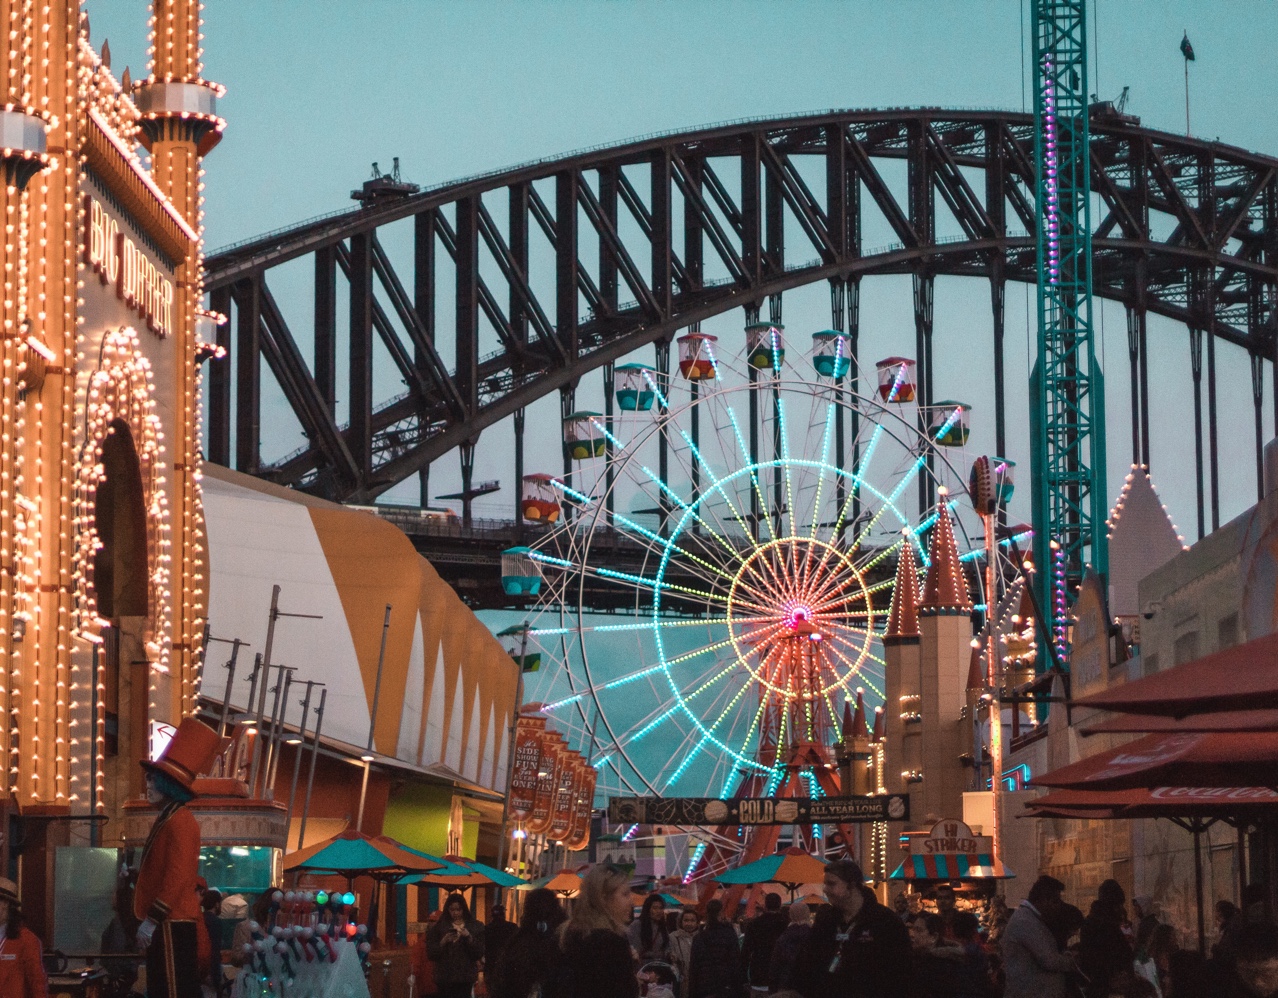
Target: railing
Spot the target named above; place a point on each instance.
(601, 147)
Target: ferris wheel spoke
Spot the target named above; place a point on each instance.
(783, 434)
(855, 668)
(707, 733)
(754, 476)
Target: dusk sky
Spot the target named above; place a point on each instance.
(317, 91)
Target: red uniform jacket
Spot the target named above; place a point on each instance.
(169, 868)
(21, 970)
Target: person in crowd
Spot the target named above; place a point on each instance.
(976, 962)
(947, 908)
(1103, 947)
(658, 979)
(456, 946)
(210, 910)
(681, 946)
(714, 970)
(1253, 910)
(939, 970)
(258, 912)
(117, 939)
(1225, 913)
(1255, 955)
(857, 947)
(1066, 922)
(1145, 920)
(1033, 964)
(901, 905)
(1187, 976)
(760, 935)
(648, 935)
(21, 970)
(783, 970)
(530, 957)
(497, 933)
(597, 958)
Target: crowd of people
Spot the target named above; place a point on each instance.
(855, 947)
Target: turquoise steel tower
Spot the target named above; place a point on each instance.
(1068, 404)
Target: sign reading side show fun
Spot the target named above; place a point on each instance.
(758, 810)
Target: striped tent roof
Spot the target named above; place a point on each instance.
(952, 866)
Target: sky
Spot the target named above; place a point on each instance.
(317, 91)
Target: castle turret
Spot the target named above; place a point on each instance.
(855, 752)
(898, 726)
(945, 650)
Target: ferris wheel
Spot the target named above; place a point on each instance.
(718, 570)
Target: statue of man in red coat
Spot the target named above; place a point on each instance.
(165, 898)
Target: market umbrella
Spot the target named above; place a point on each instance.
(353, 854)
(1208, 759)
(1231, 720)
(1244, 677)
(462, 872)
(791, 868)
(564, 883)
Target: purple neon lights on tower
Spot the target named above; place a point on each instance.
(1052, 168)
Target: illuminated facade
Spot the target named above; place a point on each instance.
(102, 593)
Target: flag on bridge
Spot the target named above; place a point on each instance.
(1186, 49)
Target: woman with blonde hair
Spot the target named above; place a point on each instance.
(598, 960)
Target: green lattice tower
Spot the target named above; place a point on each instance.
(1067, 386)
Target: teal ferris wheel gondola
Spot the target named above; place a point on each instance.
(635, 391)
(830, 354)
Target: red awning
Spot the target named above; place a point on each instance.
(1232, 720)
(1213, 759)
(1244, 677)
(1154, 802)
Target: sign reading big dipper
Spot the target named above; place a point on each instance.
(758, 810)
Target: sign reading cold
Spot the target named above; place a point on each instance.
(117, 259)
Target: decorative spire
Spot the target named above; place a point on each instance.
(903, 618)
(859, 728)
(945, 590)
(848, 724)
(976, 667)
(879, 724)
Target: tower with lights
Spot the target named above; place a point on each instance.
(102, 581)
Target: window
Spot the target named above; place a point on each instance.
(1227, 632)
(1186, 648)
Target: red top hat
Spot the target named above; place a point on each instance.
(191, 751)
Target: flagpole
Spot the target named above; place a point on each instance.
(1186, 96)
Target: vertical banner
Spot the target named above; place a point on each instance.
(530, 733)
(552, 755)
(561, 814)
(583, 810)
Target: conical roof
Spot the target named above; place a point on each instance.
(945, 588)
(879, 724)
(903, 618)
(859, 728)
(976, 667)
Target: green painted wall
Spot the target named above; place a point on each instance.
(417, 815)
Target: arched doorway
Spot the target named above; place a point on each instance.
(122, 593)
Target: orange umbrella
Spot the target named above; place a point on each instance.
(565, 882)
(791, 868)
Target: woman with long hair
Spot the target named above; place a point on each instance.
(456, 945)
(531, 957)
(681, 946)
(597, 959)
(21, 970)
(715, 969)
(648, 934)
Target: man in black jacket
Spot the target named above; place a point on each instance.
(761, 934)
(857, 947)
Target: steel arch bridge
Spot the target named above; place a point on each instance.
(686, 225)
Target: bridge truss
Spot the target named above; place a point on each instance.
(558, 268)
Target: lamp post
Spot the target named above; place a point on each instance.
(367, 757)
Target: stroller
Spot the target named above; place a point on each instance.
(659, 980)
